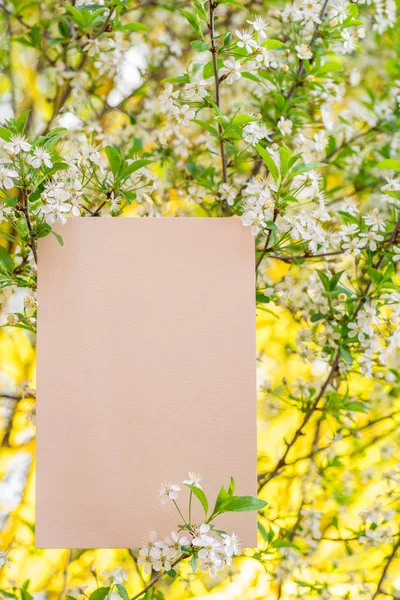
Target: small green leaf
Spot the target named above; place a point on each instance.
(346, 355)
(21, 122)
(122, 591)
(304, 167)
(234, 3)
(135, 27)
(25, 595)
(283, 544)
(7, 594)
(192, 20)
(200, 45)
(389, 163)
(242, 504)
(242, 119)
(172, 573)
(5, 134)
(267, 158)
(272, 44)
(114, 159)
(356, 407)
(193, 563)
(6, 259)
(99, 594)
(374, 275)
(206, 126)
(134, 166)
(329, 67)
(200, 495)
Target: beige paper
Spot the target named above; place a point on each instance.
(146, 370)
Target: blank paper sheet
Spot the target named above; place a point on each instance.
(146, 370)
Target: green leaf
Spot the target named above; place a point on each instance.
(193, 562)
(329, 67)
(63, 27)
(200, 495)
(135, 165)
(250, 76)
(25, 595)
(172, 573)
(135, 27)
(283, 544)
(99, 594)
(242, 504)
(200, 45)
(266, 536)
(231, 489)
(6, 259)
(242, 120)
(58, 238)
(122, 591)
(206, 126)
(324, 279)
(345, 354)
(114, 159)
(21, 122)
(5, 134)
(356, 407)
(234, 3)
(304, 167)
(267, 158)
(317, 317)
(221, 498)
(7, 594)
(374, 275)
(389, 163)
(208, 69)
(192, 20)
(272, 44)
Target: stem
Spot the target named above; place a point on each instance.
(179, 511)
(265, 249)
(190, 507)
(158, 577)
(213, 50)
(65, 575)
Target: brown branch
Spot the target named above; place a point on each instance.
(158, 577)
(213, 50)
(389, 561)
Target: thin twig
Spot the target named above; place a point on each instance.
(389, 561)
(213, 50)
(158, 577)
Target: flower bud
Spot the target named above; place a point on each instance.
(310, 78)
(333, 23)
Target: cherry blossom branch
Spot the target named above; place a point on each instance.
(68, 88)
(157, 578)
(213, 50)
(301, 70)
(263, 479)
(388, 562)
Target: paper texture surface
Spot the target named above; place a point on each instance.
(146, 370)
